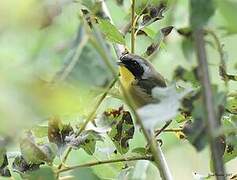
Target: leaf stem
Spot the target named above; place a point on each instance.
(95, 163)
(222, 66)
(133, 23)
(213, 123)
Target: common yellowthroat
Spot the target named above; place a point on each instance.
(139, 77)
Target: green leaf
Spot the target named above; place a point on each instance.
(45, 173)
(166, 109)
(228, 11)
(185, 75)
(140, 6)
(231, 138)
(20, 165)
(158, 40)
(58, 131)
(111, 32)
(4, 171)
(140, 150)
(40, 131)
(201, 11)
(232, 105)
(86, 140)
(187, 48)
(151, 12)
(34, 153)
(122, 128)
(90, 61)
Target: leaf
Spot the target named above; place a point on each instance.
(34, 153)
(4, 170)
(85, 173)
(40, 131)
(187, 48)
(140, 150)
(195, 130)
(20, 165)
(227, 9)
(151, 13)
(86, 140)
(111, 32)
(140, 6)
(166, 109)
(45, 173)
(201, 11)
(185, 75)
(157, 41)
(231, 138)
(122, 128)
(232, 105)
(57, 132)
(90, 61)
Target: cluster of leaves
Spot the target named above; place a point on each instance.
(40, 146)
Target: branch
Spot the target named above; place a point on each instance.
(159, 131)
(95, 163)
(133, 23)
(212, 123)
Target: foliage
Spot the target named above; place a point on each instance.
(64, 113)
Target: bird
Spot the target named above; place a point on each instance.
(138, 76)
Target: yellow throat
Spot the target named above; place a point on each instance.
(126, 76)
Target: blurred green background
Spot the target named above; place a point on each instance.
(38, 37)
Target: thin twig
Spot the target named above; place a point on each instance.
(133, 23)
(157, 132)
(213, 124)
(96, 163)
(222, 66)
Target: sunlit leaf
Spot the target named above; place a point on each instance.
(40, 131)
(20, 165)
(86, 140)
(122, 128)
(34, 153)
(111, 32)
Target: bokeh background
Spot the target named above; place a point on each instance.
(38, 37)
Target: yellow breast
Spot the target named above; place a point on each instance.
(126, 77)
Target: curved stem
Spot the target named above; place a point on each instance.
(133, 23)
(96, 163)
